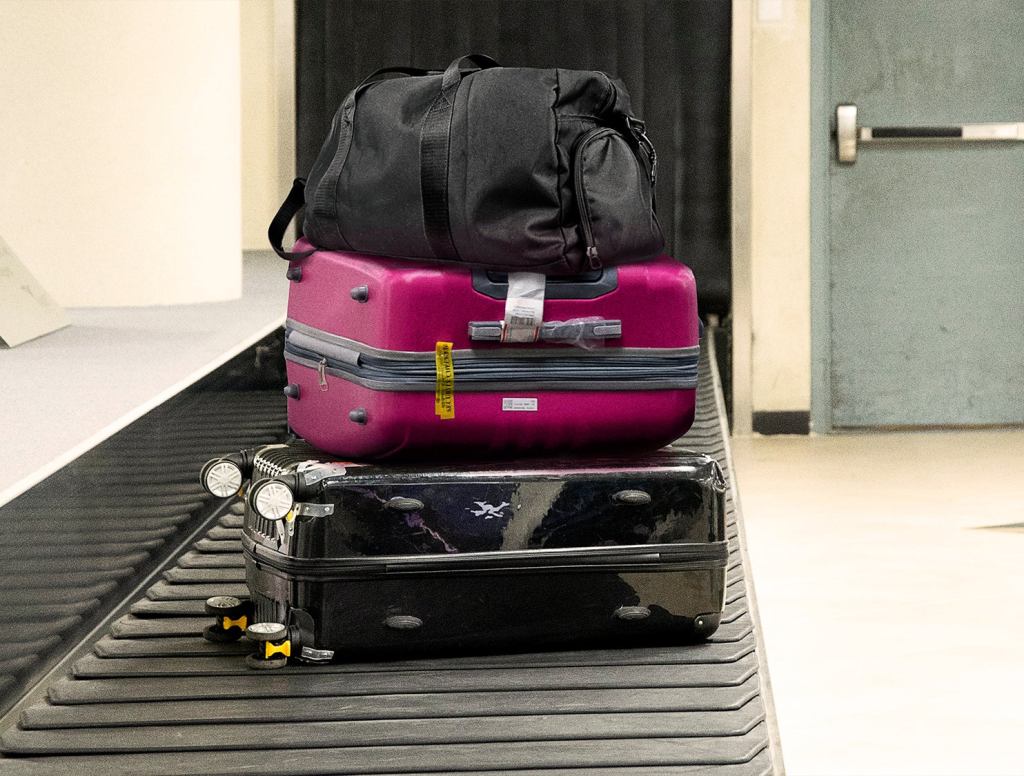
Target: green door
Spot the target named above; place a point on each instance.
(926, 237)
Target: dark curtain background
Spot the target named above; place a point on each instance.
(672, 54)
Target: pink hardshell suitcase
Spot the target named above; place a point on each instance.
(392, 358)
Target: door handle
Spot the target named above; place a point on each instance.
(849, 135)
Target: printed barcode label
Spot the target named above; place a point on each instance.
(517, 404)
(524, 307)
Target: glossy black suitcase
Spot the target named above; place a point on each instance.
(346, 560)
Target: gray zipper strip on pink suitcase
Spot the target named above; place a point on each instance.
(606, 369)
(321, 336)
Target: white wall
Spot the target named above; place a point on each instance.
(773, 270)
(268, 114)
(120, 157)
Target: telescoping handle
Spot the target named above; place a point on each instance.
(551, 331)
(849, 135)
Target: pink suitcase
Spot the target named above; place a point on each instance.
(368, 379)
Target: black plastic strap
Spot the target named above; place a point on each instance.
(588, 285)
(435, 139)
(292, 204)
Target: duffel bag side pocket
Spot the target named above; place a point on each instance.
(614, 198)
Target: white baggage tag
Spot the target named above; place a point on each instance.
(524, 307)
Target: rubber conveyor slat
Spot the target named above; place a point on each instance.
(73, 546)
(154, 698)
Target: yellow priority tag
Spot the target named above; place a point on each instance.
(444, 393)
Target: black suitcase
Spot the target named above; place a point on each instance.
(346, 560)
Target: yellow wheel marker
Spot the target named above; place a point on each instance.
(242, 622)
(285, 648)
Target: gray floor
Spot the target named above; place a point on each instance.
(889, 565)
(66, 392)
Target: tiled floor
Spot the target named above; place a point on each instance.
(893, 612)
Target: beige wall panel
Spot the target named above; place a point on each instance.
(120, 156)
(259, 122)
(780, 206)
(268, 114)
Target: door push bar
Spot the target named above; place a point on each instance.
(849, 135)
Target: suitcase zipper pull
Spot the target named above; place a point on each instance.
(593, 258)
(321, 373)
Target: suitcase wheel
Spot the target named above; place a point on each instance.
(273, 645)
(231, 615)
(226, 605)
(263, 664)
(222, 477)
(266, 631)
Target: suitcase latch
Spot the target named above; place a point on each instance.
(313, 510)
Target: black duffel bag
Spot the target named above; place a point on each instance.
(515, 169)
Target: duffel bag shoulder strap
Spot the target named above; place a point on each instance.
(435, 140)
(296, 198)
(292, 204)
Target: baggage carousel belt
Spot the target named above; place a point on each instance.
(147, 695)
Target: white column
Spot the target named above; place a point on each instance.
(742, 292)
(120, 148)
(780, 244)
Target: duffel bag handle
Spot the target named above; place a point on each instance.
(410, 71)
(292, 204)
(434, 146)
(458, 67)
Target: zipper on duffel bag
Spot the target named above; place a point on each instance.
(642, 209)
(593, 257)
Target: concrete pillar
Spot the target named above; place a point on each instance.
(120, 152)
